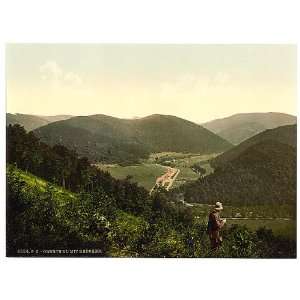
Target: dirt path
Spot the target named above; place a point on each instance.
(167, 179)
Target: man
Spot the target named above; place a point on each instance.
(215, 223)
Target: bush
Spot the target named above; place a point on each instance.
(127, 234)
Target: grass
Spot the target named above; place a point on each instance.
(34, 181)
(181, 159)
(284, 228)
(186, 174)
(184, 162)
(280, 227)
(180, 155)
(144, 174)
(148, 170)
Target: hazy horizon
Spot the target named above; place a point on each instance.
(195, 82)
(137, 117)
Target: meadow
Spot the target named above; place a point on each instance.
(280, 227)
(146, 172)
(282, 221)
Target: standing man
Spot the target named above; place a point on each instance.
(215, 223)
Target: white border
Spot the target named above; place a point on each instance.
(140, 22)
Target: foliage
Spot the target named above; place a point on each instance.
(285, 135)
(45, 218)
(199, 169)
(63, 167)
(127, 235)
(269, 168)
(144, 174)
(112, 140)
(73, 205)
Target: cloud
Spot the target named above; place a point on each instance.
(53, 72)
(72, 78)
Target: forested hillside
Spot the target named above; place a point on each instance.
(71, 207)
(284, 134)
(239, 127)
(108, 139)
(264, 173)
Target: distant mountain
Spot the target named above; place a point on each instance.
(284, 134)
(240, 127)
(31, 122)
(56, 118)
(264, 173)
(109, 139)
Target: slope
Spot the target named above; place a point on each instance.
(284, 134)
(264, 173)
(240, 127)
(31, 122)
(108, 139)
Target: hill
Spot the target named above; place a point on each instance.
(31, 122)
(109, 139)
(240, 127)
(56, 118)
(284, 134)
(43, 216)
(264, 173)
(69, 206)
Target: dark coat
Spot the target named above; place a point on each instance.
(214, 229)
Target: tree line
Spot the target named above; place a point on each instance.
(81, 207)
(263, 174)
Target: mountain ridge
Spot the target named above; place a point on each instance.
(284, 134)
(239, 127)
(31, 122)
(264, 173)
(112, 137)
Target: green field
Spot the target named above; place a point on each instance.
(184, 162)
(179, 156)
(284, 225)
(279, 227)
(284, 228)
(144, 174)
(148, 170)
(186, 174)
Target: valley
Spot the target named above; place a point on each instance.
(137, 150)
(145, 181)
(177, 172)
(174, 168)
(166, 180)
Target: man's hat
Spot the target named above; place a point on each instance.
(218, 206)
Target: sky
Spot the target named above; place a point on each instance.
(196, 82)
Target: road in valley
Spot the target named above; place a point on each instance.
(167, 179)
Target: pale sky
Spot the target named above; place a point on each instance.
(195, 82)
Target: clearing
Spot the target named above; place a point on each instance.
(158, 165)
